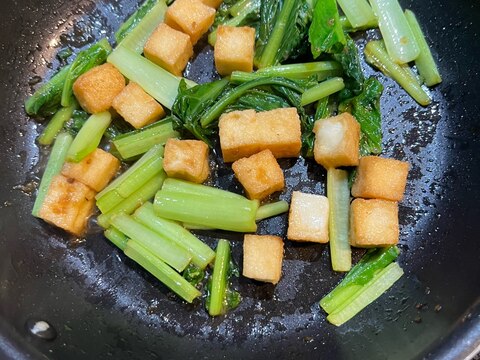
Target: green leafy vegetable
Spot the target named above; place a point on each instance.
(367, 293)
(55, 125)
(134, 20)
(236, 13)
(221, 297)
(376, 55)
(54, 166)
(87, 59)
(194, 275)
(366, 109)
(138, 35)
(258, 100)
(190, 104)
(364, 271)
(46, 100)
(283, 29)
(353, 73)
(326, 32)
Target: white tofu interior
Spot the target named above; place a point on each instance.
(330, 135)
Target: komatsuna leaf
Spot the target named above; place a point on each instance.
(191, 103)
(326, 33)
(353, 74)
(366, 109)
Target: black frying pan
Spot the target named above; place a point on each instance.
(102, 305)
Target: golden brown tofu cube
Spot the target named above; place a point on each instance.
(259, 174)
(337, 141)
(373, 223)
(308, 218)
(212, 3)
(244, 133)
(262, 257)
(169, 48)
(380, 178)
(137, 107)
(191, 17)
(234, 49)
(68, 205)
(96, 170)
(96, 89)
(186, 159)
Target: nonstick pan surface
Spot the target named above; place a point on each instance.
(101, 305)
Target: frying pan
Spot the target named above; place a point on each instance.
(99, 304)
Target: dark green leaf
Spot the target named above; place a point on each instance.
(232, 299)
(194, 275)
(283, 30)
(46, 100)
(258, 100)
(353, 73)
(326, 33)
(366, 109)
(191, 103)
(87, 59)
(133, 20)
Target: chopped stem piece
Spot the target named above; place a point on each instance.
(338, 194)
(137, 142)
(157, 82)
(118, 238)
(54, 166)
(364, 271)
(130, 204)
(322, 90)
(216, 305)
(161, 271)
(358, 12)
(89, 136)
(399, 40)
(426, 66)
(376, 55)
(367, 294)
(201, 253)
(270, 210)
(166, 250)
(55, 125)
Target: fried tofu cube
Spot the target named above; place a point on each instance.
(68, 205)
(95, 170)
(192, 17)
(96, 89)
(187, 160)
(308, 218)
(259, 174)
(169, 48)
(337, 141)
(380, 178)
(244, 133)
(137, 107)
(212, 3)
(262, 257)
(373, 223)
(234, 49)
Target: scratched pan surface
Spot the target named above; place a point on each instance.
(102, 305)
